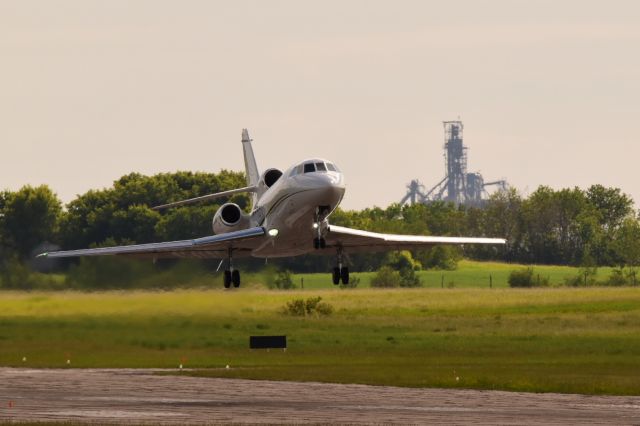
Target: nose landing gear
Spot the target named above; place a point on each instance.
(321, 213)
(319, 243)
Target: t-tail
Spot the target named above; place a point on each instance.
(250, 166)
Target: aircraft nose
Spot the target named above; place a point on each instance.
(329, 179)
(331, 183)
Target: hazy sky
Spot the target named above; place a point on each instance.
(549, 91)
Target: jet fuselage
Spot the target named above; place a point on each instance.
(292, 208)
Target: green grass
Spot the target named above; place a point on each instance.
(562, 339)
(469, 274)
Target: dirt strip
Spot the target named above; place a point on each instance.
(125, 396)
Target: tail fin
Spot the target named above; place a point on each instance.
(250, 166)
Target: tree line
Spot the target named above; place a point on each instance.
(593, 227)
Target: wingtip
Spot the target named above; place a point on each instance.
(42, 255)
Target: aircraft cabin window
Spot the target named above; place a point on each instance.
(294, 172)
(309, 168)
(331, 167)
(321, 167)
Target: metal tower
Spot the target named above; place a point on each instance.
(455, 155)
(457, 186)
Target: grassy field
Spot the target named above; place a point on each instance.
(468, 274)
(581, 340)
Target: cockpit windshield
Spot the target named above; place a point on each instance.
(310, 167)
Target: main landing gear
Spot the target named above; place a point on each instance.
(340, 272)
(231, 276)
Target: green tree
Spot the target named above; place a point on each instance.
(612, 205)
(626, 244)
(440, 257)
(500, 217)
(185, 222)
(30, 217)
(87, 219)
(552, 222)
(612, 208)
(122, 213)
(4, 197)
(135, 224)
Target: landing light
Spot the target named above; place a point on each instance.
(273, 232)
(315, 226)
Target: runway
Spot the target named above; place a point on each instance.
(125, 396)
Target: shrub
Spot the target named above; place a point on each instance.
(16, 275)
(296, 308)
(312, 306)
(406, 265)
(281, 279)
(526, 277)
(586, 276)
(617, 277)
(108, 272)
(521, 277)
(441, 257)
(621, 276)
(386, 277)
(324, 309)
(353, 283)
(408, 278)
(401, 260)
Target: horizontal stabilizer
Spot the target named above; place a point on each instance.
(206, 197)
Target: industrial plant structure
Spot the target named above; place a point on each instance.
(458, 186)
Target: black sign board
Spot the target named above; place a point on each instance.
(268, 342)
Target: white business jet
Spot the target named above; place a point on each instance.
(288, 217)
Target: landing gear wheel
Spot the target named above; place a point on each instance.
(340, 273)
(344, 274)
(235, 278)
(336, 275)
(227, 278)
(319, 243)
(231, 276)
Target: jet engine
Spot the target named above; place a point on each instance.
(229, 217)
(267, 180)
(270, 176)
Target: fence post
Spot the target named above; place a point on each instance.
(302, 282)
(490, 281)
(442, 281)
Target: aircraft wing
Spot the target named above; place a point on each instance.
(355, 240)
(215, 246)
